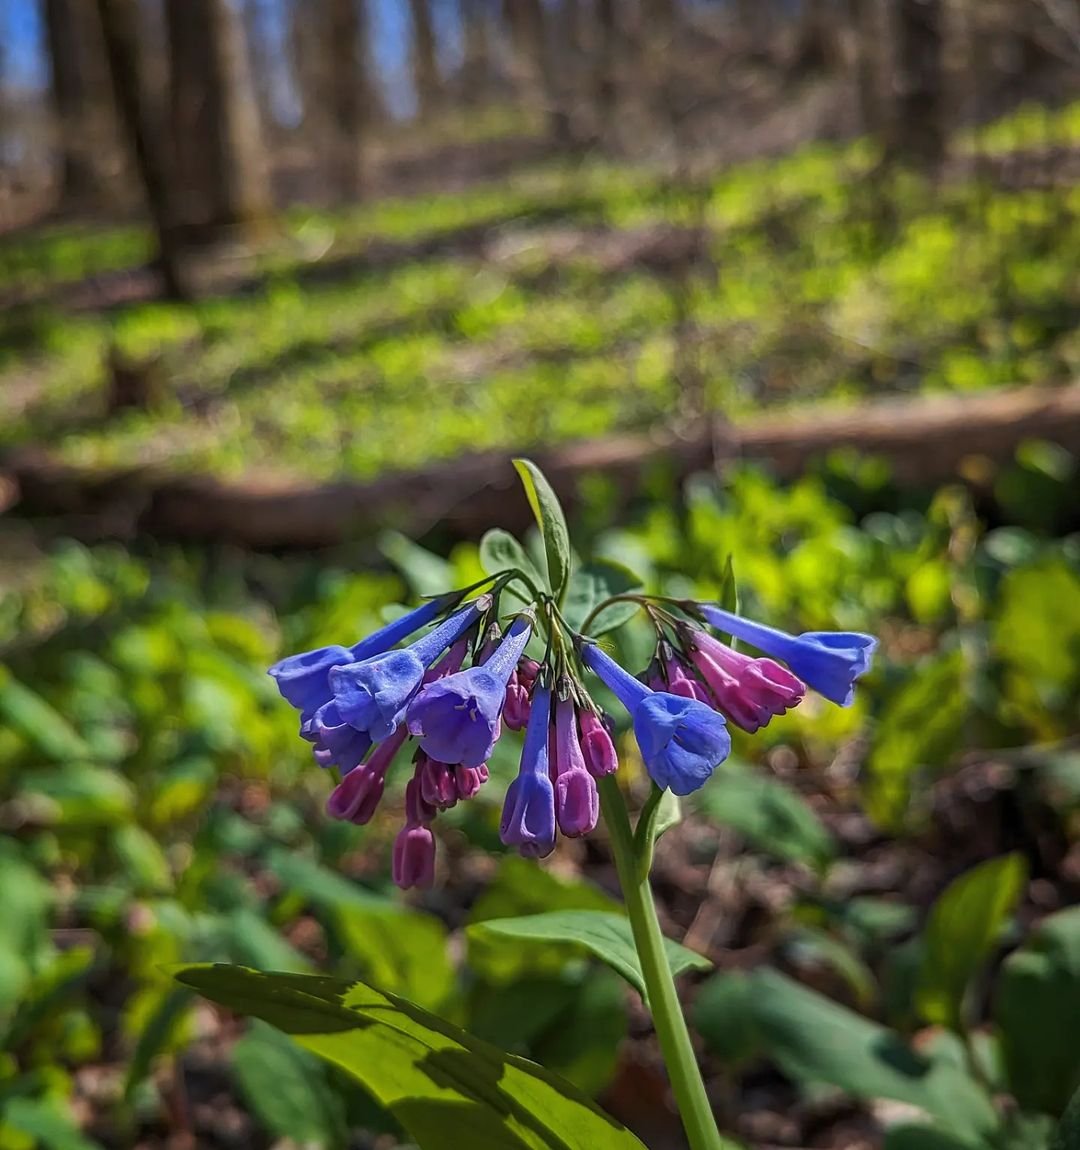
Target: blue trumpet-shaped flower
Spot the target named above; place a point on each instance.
(372, 695)
(303, 680)
(528, 817)
(682, 740)
(827, 661)
(334, 742)
(456, 718)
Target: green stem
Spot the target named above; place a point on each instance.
(675, 1045)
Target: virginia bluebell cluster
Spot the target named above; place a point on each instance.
(448, 695)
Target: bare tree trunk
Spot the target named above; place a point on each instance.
(816, 48)
(119, 25)
(476, 68)
(536, 73)
(867, 63)
(605, 85)
(425, 66)
(918, 132)
(80, 94)
(346, 93)
(217, 146)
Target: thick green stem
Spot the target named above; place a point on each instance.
(675, 1045)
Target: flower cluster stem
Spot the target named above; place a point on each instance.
(675, 1045)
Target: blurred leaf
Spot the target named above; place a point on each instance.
(182, 790)
(47, 1122)
(920, 726)
(36, 721)
(158, 1034)
(590, 585)
(728, 599)
(1066, 1134)
(814, 1039)
(964, 926)
(250, 938)
(500, 551)
(770, 816)
(912, 1136)
(607, 936)
(427, 573)
(549, 515)
(724, 1013)
(808, 946)
(287, 1088)
(79, 795)
(399, 949)
(141, 859)
(1037, 989)
(60, 979)
(446, 1088)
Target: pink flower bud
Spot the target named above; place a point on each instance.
(577, 804)
(749, 691)
(517, 707)
(680, 682)
(437, 785)
(414, 857)
(357, 796)
(469, 780)
(418, 812)
(597, 746)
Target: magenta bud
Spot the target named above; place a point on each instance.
(469, 780)
(437, 785)
(357, 796)
(527, 670)
(577, 803)
(749, 691)
(517, 707)
(597, 746)
(418, 812)
(414, 857)
(682, 683)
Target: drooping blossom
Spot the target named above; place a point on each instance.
(577, 802)
(828, 661)
(528, 818)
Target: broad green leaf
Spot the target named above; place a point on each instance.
(287, 1089)
(814, 1039)
(770, 816)
(549, 515)
(397, 948)
(963, 928)
(590, 585)
(38, 722)
(427, 573)
(607, 936)
(447, 1088)
(500, 551)
(1037, 989)
(140, 858)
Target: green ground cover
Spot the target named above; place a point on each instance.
(815, 277)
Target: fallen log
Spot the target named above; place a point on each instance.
(926, 439)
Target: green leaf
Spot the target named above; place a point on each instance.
(814, 1039)
(549, 515)
(157, 1035)
(140, 858)
(1067, 1132)
(809, 947)
(963, 928)
(47, 1122)
(770, 816)
(661, 812)
(920, 728)
(427, 573)
(728, 599)
(590, 585)
(916, 1136)
(38, 722)
(607, 936)
(1038, 988)
(447, 1088)
(724, 1013)
(287, 1088)
(396, 948)
(79, 795)
(500, 551)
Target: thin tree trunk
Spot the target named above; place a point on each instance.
(345, 103)
(119, 25)
(80, 95)
(867, 63)
(918, 130)
(425, 66)
(220, 165)
(476, 78)
(605, 85)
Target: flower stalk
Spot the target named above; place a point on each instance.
(675, 1045)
